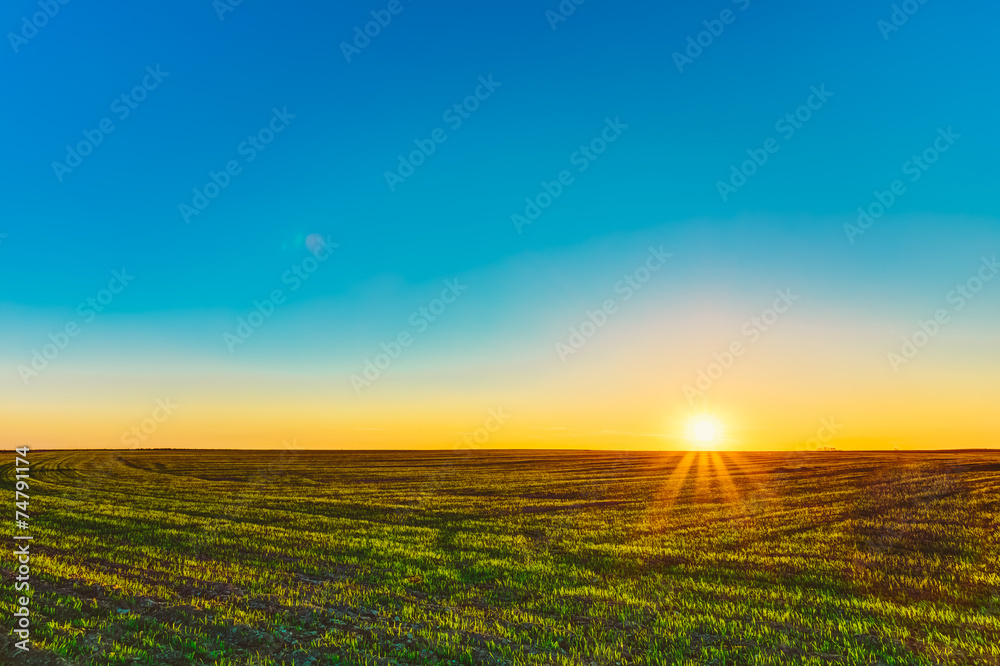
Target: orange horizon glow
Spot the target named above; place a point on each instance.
(818, 377)
(194, 426)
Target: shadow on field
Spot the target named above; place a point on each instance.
(908, 525)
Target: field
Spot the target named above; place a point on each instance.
(510, 557)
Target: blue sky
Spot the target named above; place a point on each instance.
(325, 172)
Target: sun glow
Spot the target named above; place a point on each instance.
(705, 430)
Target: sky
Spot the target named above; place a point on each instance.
(521, 224)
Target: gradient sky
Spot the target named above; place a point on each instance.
(823, 361)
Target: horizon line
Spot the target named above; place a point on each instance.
(445, 449)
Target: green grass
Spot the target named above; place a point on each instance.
(501, 557)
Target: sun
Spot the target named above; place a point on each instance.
(705, 430)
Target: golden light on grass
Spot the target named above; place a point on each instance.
(667, 495)
(728, 489)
